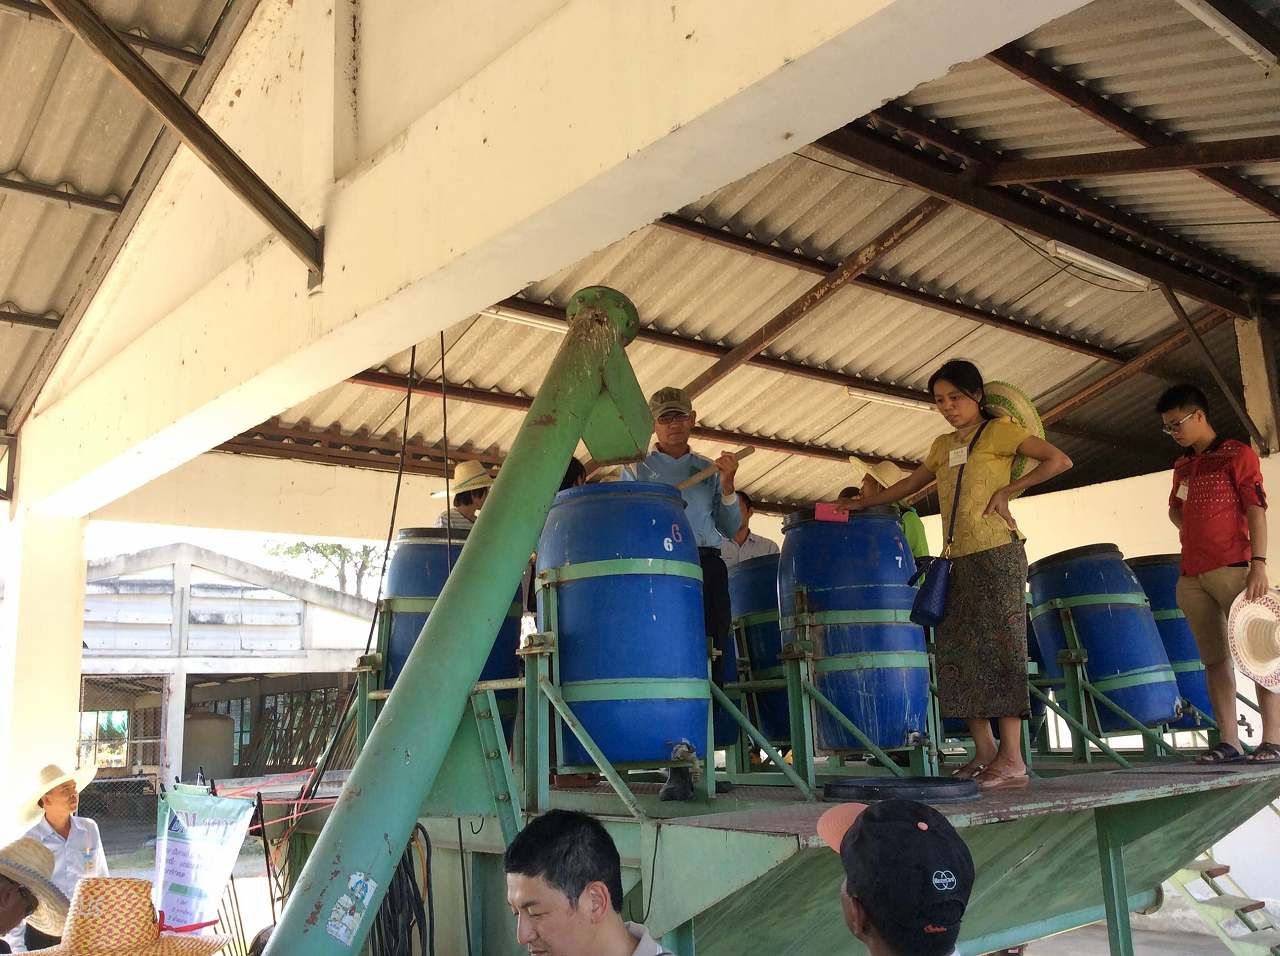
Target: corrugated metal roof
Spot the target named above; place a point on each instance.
(1147, 53)
(66, 121)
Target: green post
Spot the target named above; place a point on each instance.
(796, 665)
(537, 718)
(1075, 699)
(680, 940)
(1115, 887)
(333, 905)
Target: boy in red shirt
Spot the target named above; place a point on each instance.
(1219, 507)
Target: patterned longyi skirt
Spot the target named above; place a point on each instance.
(982, 641)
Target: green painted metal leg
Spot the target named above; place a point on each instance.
(1081, 732)
(597, 755)
(589, 392)
(787, 771)
(1115, 888)
(802, 744)
(502, 779)
(680, 940)
(709, 769)
(537, 735)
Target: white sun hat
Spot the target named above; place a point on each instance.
(1253, 632)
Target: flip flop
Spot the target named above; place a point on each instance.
(991, 779)
(968, 771)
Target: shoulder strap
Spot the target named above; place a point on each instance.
(955, 499)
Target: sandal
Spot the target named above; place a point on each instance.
(1265, 752)
(991, 779)
(1221, 753)
(969, 770)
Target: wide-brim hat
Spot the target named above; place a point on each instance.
(468, 476)
(115, 917)
(1008, 401)
(50, 778)
(885, 472)
(1253, 633)
(29, 863)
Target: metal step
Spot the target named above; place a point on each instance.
(1237, 904)
(1210, 868)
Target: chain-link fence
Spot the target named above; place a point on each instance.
(121, 732)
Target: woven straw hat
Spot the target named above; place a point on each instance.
(1253, 632)
(50, 778)
(1008, 401)
(885, 472)
(114, 917)
(468, 476)
(29, 863)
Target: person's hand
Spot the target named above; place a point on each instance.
(999, 505)
(727, 465)
(1255, 585)
(850, 505)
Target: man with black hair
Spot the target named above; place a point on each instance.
(471, 484)
(1219, 507)
(564, 887)
(745, 543)
(907, 876)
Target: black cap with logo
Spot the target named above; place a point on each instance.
(907, 865)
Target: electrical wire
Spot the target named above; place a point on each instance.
(653, 868)
(448, 495)
(466, 896)
(1072, 270)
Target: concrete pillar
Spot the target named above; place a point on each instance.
(1255, 341)
(175, 719)
(41, 628)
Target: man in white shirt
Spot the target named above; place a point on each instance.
(907, 876)
(564, 887)
(745, 543)
(74, 841)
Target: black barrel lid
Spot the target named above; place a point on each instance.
(432, 534)
(1149, 559)
(921, 789)
(802, 515)
(1088, 551)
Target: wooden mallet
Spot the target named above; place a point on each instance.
(710, 470)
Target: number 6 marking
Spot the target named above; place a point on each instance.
(676, 536)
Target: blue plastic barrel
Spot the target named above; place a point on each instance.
(632, 655)
(419, 568)
(1158, 574)
(753, 595)
(1109, 611)
(845, 585)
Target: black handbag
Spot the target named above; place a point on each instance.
(930, 605)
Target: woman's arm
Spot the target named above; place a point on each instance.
(1052, 461)
(905, 488)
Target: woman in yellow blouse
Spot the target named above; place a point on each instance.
(982, 641)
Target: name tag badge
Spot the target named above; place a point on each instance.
(1183, 491)
(958, 456)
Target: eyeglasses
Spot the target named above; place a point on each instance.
(672, 418)
(1170, 427)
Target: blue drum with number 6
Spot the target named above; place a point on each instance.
(632, 656)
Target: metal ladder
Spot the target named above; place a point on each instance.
(1226, 899)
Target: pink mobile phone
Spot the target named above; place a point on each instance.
(826, 511)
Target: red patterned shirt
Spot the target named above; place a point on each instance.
(1213, 489)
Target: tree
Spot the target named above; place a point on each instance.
(350, 565)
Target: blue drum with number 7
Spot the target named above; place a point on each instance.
(631, 657)
(844, 585)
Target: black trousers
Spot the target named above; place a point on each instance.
(717, 614)
(34, 940)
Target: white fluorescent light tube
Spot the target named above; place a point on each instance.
(918, 405)
(1099, 265)
(521, 318)
(1207, 14)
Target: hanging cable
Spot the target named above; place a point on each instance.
(448, 496)
(466, 896)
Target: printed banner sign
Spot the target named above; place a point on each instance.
(198, 838)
